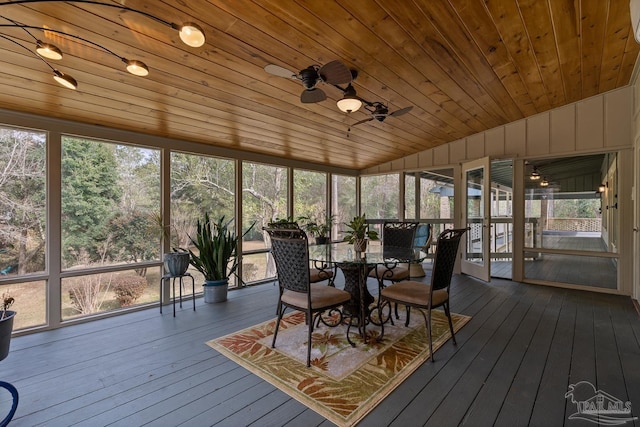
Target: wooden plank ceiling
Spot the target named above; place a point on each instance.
(464, 65)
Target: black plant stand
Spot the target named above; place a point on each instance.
(14, 394)
(181, 284)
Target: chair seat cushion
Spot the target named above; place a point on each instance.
(321, 296)
(317, 275)
(399, 272)
(414, 293)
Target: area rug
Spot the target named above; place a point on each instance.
(344, 383)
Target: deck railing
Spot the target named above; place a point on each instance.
(502, 232)
(573, 224)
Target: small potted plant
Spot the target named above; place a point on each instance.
(320, 229)
(6, 323)
(216, 257)
(359, 232)
(176, 262)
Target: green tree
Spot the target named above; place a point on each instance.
(310, 194)
(201, 184)
(90, 195)
(138, 171)
(134, 227)
(379, 196)
(22, 201)
(576, 208)
(133, 237)
(265, 199)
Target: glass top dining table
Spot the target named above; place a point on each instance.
(356, 266)
(343, 253)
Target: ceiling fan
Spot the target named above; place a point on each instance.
(380, 112)
(334, 73)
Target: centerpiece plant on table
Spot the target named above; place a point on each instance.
(358, 233)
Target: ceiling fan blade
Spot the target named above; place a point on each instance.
(277, 70)
(402, 111)
(310, 96)
(335, 73)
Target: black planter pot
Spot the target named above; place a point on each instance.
(6, 327)
(323, 240)
(176, 263)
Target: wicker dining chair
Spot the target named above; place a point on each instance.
(290, 251)
(316, 274)
(394, 235)
(426, 297)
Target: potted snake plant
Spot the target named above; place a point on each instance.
(216, 256)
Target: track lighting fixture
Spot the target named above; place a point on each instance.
(63, 79)
(48, 50)
(137, 68)
(190, 33)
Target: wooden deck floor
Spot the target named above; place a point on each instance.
(512, 366)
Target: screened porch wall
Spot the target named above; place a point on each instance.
(599, 124)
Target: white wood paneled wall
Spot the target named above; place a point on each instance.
(600, 123)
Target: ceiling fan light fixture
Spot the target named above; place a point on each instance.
(544, 183)
(137, 68)
(349, 102)
(191, 34)
(48, 50)
(535, 175)
(65, 80)
(349, 105)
